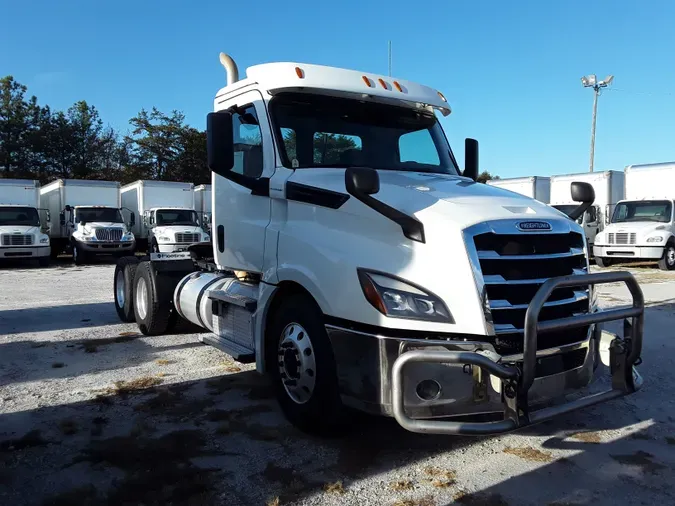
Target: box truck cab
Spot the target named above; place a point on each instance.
(642, 226)
(609, 189)
(22, 231)
(535, 187)
(355, 263)
(90, 219)
(169, 221)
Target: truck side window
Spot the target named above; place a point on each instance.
(248, 154)
(418, 146)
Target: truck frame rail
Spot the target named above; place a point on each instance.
(517, 378)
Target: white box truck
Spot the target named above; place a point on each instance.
(22, 231)
(608, 186)
(203, 205)
(373, 273)
(535, 187)
(168, 219)
(90, 218)
(642, 226)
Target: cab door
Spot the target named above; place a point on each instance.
(591, 224)
(241, 210)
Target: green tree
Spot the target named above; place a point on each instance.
(191, 163)
(86, 142)
(485, 176)
(157, 142)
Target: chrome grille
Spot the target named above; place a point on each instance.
(514, 266)
(109, 234)
(621, 238)
(187, 238)
(17, 240)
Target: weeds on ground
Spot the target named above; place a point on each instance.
(273, 502)
(163, 361)
(440, 478)
(334, 488)
(135, 385)
(399, 485)
(427, 500)
(587, 437)
(529, 453)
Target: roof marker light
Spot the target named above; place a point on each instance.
(367, 81)
(382, 83)
(299, 72)
(398, 86)
(441, 95)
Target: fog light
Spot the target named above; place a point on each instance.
(428, 390)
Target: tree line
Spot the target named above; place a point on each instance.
(37, 142)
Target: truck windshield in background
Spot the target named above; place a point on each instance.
(320, 131)
(644, 210)
(98, 214)
(26, 216)
(176, 217)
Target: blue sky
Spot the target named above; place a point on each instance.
(510, 70)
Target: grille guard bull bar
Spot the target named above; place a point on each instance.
(518, 378)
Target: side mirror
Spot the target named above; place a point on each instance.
(62, 219)
(219, 142)
(132, 219)
(584, 193)
(362, 180)
(471, 158)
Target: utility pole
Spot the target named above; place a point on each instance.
(389, 58)
(591, 82)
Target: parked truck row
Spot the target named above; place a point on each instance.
(86, 218)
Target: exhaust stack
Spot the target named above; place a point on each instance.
(230, 68)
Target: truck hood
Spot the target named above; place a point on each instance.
(93, 225)
(641, 229)
(19, 229)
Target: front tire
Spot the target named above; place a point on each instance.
(123, 282)
(667, 262)
(602, 262)
(154, 246)
(152, 309)
(79, 256)
(302, 366)
(44, 261)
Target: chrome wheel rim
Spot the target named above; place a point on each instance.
(297, 365)
(119, 288)
(142, 298)
(670, 256)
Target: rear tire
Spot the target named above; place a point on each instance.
(152, 309)
(302, 366)
(667, 262)
(602, 262)
(123, 282)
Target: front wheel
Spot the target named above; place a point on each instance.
(303, 369)
(602, 262)
(79, 256)
(154, 246)
(667, 262)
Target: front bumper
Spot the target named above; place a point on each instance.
(9, 252)
(165, 247)
(616, 251)
(106, 248)
(381, 375)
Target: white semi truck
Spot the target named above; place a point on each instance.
(22, 231)
(90, 219)
(608, 187)
(168, 221)
(203, 205)
(642, 225)
(535, 187)
(355, 264)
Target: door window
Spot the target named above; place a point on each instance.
(248, 153)
(592, 215)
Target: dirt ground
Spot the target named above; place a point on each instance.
(91, 412)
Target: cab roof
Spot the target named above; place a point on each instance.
(303, 77)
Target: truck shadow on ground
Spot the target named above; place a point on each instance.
(51, 318)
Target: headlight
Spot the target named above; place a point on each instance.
(655, 238)
(163, 238)
(44, 239)
(206, 238)
(128, 237)
(88, 238)
(399, 299)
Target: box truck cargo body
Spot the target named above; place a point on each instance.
(642, 225)
(535, 187)
(22, 223)
(90, 221)
(608, 187)
(203, 204)
(167, 220)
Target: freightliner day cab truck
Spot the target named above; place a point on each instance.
(168, 221)
(354, 263)
(22, 234)
(535, 187)
(203, 205)
(642, 225)
(90, 218)
(608, 188)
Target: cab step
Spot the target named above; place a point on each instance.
(234, 298)
(236, 351)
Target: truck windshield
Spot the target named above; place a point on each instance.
(176, 217)
(101, 214)
(320, 131)
(643, 210)
(27, 216)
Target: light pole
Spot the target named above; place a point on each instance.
(591, 82)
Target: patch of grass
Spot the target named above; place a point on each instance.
(334, 488)
(273, 502)
(162, 374)
(163, 361)
(90, 348)
(232, 368)
(529, 453)
(58, 365)
(68, 427)
(129, 334)
(441, 478)
(136, 385)
(400, 485)
(427, 500)
(587, 437)
(28, 440)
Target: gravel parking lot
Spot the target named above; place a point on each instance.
(91, 412)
